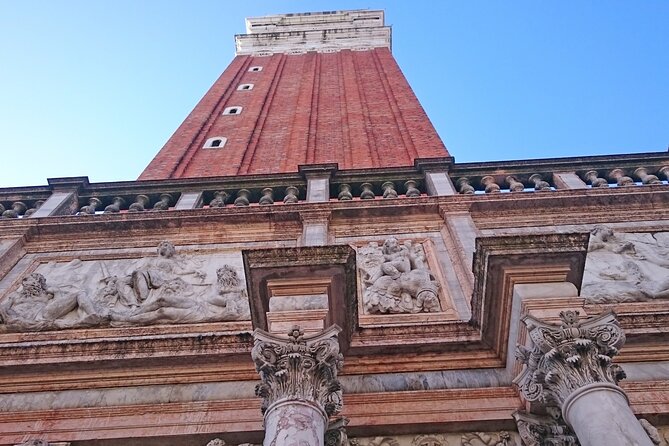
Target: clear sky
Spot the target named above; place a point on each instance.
(96, 87)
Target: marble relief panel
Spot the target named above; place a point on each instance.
(169, 287)
(400, 276)
(626, 266)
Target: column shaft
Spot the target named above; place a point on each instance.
(600, 415)
(294, 423)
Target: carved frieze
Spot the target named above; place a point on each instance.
(299, 368)
(567, 357)
(396, 278)
(502, 438)
(381, 441)
(626, 267)
(429, 440)
(486, 439)
(167, 288)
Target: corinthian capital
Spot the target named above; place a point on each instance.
(299, 368)
(569, 356)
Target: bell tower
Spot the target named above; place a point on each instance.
(303, 89)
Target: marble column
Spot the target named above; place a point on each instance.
(570, 368)
(299, 385)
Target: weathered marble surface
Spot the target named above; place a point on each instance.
(294, 423)
(626, 266)
(396, 278)
(153, 394)
(161, 289)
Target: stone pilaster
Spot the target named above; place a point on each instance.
(299, 385)
(570, 368)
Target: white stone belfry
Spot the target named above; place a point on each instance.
(328, 31)
(299, 385)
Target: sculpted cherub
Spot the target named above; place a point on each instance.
(396, 261)
(399, 280)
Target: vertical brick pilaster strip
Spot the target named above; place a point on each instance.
(343, 101)
(409, 146)
(313, 118)
(371, 141)
(249, 154)
(198, 138)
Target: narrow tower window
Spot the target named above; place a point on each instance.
(245, 87)
(232, 110)
(255, 69)
(217, 142)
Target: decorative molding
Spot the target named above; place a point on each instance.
(451, 409)
(568, 357)
(299, 368)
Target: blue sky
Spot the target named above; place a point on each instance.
(96, 87)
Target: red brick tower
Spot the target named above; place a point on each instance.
(303, 89)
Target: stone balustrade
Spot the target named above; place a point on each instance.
(254, 196)
(388, 189)
(115, 204)
(19, 209)
(325, 183)
(560, 174)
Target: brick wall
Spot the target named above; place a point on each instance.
(354, 108)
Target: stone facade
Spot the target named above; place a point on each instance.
(331, 305)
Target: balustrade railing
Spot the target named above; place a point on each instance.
(375, 190)
(82, 199)
(547, 174)
(252, 196)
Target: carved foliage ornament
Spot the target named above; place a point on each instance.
(336, 433)
(299, 368)
(536, 430)
(429, 440)
(485, 439)
(568, 357)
